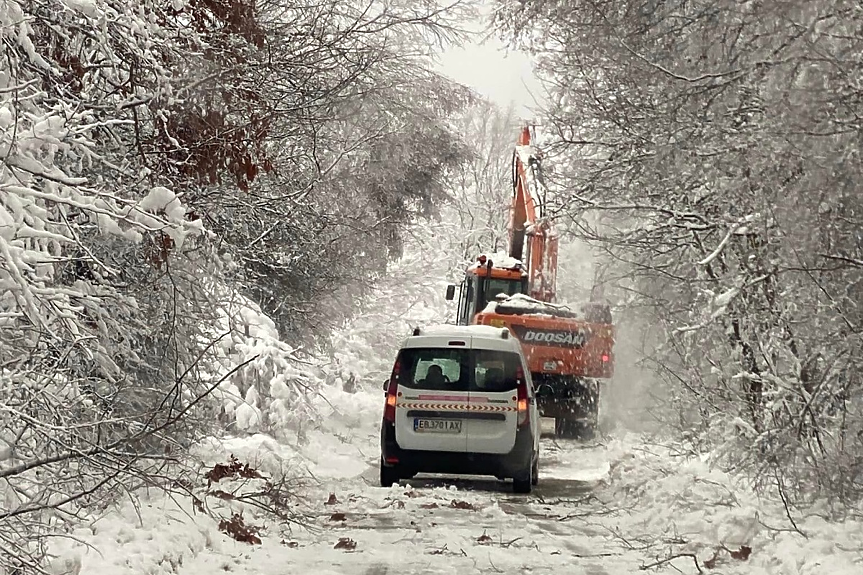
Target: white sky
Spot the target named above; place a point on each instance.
(504, 76)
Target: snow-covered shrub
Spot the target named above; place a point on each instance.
(273, 388)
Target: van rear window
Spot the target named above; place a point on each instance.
(448, 369)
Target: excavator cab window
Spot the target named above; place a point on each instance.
(466, 303)
(494, 286)
(490, 288)
(476, 291)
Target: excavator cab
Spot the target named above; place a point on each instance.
(482, 284)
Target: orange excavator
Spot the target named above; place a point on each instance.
(569, 350)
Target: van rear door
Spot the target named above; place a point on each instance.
(493, 399)
(433, 397)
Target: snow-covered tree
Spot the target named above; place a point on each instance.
(134, 138)
(710, 149)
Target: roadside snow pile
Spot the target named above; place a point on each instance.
(272, 388)
(157, 535)
(332, 446)
(687, 513)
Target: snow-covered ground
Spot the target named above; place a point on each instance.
(623, 504)
(613, 507)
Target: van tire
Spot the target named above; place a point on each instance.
(389, 475)
(523, 483)
(534, 478)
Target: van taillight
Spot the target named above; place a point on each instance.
(523, 407)
(390, 407)
(392, 390)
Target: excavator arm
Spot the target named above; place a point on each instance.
(528, 228)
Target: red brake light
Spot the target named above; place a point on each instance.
(605, 358)
(392, 390)
(390, 406)
(522, 398)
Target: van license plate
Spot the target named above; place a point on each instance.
(437, 425)
(549, 365)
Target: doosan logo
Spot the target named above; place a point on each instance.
(556, 338)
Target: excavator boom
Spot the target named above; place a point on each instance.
(529, 228)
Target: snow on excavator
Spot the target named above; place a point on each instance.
(569, 351)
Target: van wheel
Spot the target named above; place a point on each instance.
(389, 475)
(523, 483)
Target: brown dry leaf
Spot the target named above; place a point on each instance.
(711, 563)
(462, 505)
(232, 469)
(483, 539)
(332, 500)
(221, 494)
(742, 554)
(412, 494)
(346, 543)
(237, 528)
(290, 544)
(431, 505)
(338, 517)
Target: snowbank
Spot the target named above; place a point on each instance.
(682, 506)
(273, 390)
(157, 535)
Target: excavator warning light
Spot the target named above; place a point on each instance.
(416, 331)
(481, 259)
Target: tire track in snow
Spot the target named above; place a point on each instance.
(433, 524)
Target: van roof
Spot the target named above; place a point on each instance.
(481, 335)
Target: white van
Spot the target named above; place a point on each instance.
(460, 400)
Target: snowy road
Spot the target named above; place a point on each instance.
(433, 524)
(620, 506)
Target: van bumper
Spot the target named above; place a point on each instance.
(502, 465)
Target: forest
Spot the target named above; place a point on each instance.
(170, 170)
